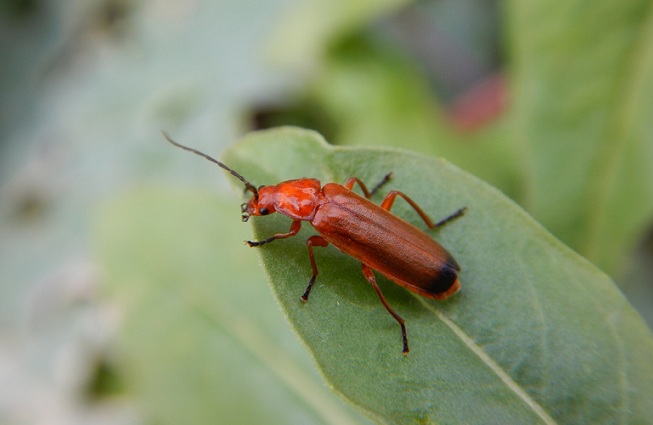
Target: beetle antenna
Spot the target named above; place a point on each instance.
(248, 186)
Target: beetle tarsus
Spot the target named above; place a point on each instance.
(304, 297)
(405, 339)
(259, 243)
(380, 184)
(452, 217)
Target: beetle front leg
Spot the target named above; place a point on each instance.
(369, 275)
(313, 241)
(294, 229)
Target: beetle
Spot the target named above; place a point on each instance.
(370, 233)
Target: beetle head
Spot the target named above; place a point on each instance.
(262, 203)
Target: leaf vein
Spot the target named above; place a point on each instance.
(489, 362)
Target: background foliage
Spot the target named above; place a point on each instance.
(548, 101)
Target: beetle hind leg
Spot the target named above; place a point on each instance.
(452, 217)
(313, 241)
(369, 275)
(390, 199)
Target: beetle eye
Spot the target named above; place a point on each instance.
(264, 211)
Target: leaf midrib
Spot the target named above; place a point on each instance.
(249, 335)
(490, 363)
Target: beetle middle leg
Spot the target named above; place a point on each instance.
(369, 275)
(313, 241)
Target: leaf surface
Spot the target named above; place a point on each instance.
(536, 335)
(201, 339)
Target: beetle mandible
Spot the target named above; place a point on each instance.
(380, 240)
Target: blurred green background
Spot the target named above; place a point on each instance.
(549, 101)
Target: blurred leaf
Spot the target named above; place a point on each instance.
(536, 335)
(202, 341)
(85, 86)
(578, 151)
(378, 97)
(312, 25)
(583, 101)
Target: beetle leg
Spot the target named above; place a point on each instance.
(369, 275)
(380, 184)
(349, 184)
(294, 229)
(390, 199)
(452, 217)
(317, 241)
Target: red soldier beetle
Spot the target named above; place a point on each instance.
(380, 240)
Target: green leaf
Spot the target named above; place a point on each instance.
(379, 98)
(536, 334)
(583, 101)
(311, 25)
(202, 341)
(578, 149)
